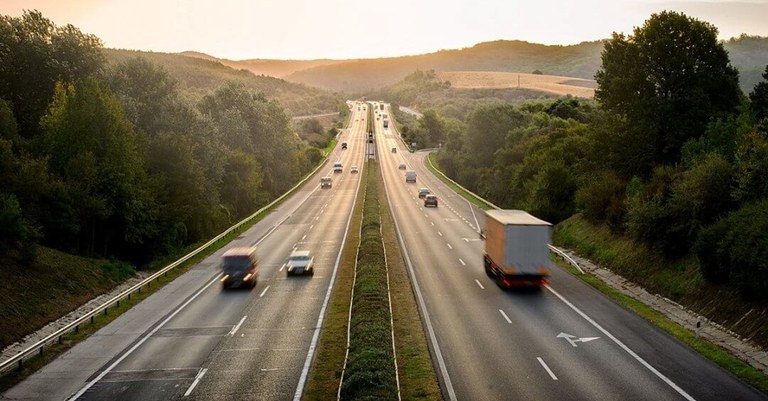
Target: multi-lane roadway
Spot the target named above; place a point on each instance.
(193, 340)
(565, 342)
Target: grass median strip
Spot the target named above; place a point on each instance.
(370, 372)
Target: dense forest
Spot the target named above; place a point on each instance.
(113, 160)
(672, 154)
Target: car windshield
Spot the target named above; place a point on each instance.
(236, 262)
(299, 258)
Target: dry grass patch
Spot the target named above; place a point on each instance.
(554, 84)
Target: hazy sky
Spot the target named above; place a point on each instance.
(307, 29)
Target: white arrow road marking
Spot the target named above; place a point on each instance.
(623, 346)
(573, 339)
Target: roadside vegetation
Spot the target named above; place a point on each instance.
(116, 162)
(676, 173)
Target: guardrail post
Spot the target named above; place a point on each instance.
(77, 329)
(61, 340)
(118, 303)
(20, 363)
(91, 319)
(41, 352)
(106, 311)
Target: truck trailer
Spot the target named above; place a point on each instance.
(516, 252)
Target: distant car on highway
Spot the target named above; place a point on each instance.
(326, 182)
(394, 150)
(343, 145)
(402, 166)
(300, 262)
(423, 192)
(239, 268)
(354, 170)
(410, 176)
(337, 167)
(430, 200)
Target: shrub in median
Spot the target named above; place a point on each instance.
(370, 368)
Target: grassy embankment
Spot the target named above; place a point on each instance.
(678, 280)
(380, 268)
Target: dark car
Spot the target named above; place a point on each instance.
(239, 268)
(430, 200)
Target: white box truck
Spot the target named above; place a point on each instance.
(516, 252)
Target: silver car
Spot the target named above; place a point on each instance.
(300, 262)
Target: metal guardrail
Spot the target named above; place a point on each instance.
(57, 336)
(556, 250)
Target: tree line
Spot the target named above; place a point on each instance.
(672, 153)
(113, 161)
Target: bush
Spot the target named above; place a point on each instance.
(602, 199)
(735, 249)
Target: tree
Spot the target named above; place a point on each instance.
(34, 54)
(759, 98)
(92, 147)
(667, 81)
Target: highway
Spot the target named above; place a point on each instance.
(194, 340)
(565, 342)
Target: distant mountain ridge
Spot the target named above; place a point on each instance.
(272, 68)
(749, 54)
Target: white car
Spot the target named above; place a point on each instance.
(354, 170)
(300, 262)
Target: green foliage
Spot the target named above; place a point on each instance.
(311, 125)
(370, 368)
(752, 167)
(15, 231)
(35, 55)
(601, 198)
(93, 148)
(735, 249)
(667, 80)
(759, 98)
(196, 78)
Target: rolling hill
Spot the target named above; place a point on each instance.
(748, 54)
(197, 77)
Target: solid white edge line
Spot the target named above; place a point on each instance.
(316, 335)
(267, 287)
(423, 307)
(505, 316)
(478, 283)
(237, 326)
(623, 346)
(143, 339)
(199, 376)
(541, 361)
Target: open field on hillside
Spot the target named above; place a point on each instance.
(500, 80)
